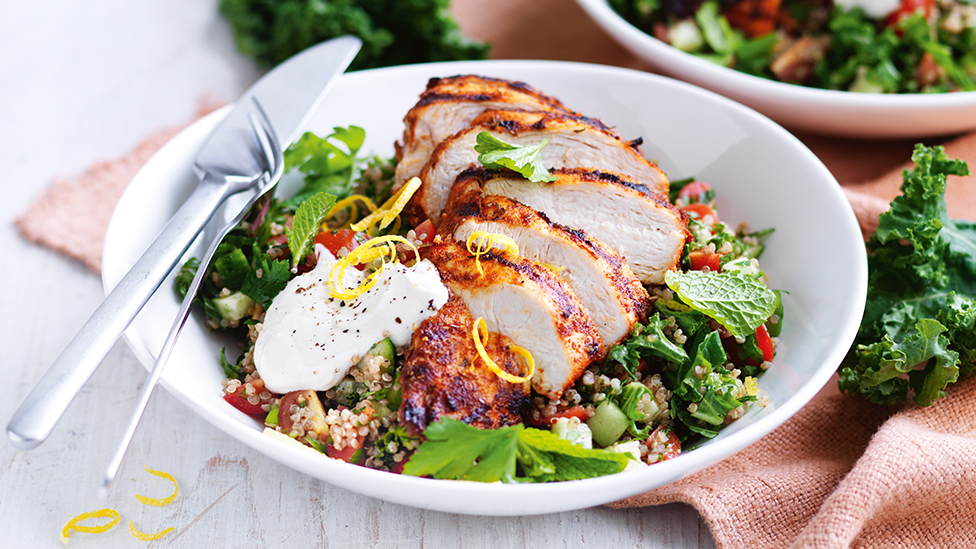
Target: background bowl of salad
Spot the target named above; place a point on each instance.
(882, 69)
(761, 174)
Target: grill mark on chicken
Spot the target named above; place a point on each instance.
(574, 142)
(443, 375)
(527, 303)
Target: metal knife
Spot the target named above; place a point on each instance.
(230, 164)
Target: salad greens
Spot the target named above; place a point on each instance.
(394, 32)
(454, 450)
(497, 154)
(922, 46)
(918, 328)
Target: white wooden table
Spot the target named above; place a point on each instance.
(86, 81)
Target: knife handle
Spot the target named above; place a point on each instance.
(37, 415)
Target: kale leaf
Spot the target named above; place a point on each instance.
(394, 32)
(918, 328)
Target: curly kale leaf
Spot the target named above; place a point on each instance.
(917, 333)
(394, 32)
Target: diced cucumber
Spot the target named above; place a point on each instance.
(234, 306)
(579, 433)
(608, 423)
(384, 349)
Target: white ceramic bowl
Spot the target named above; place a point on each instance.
(761, 173)
(909, 116)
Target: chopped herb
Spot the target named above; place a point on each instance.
(497, 154)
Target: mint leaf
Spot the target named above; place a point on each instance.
(454, 450)
(305, 225)
(739, 302)
(274, 277)
(544, 457)
(496, 154)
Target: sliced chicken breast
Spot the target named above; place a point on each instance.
(574, 141)
(443, 375)
(527, 303)
(612, 296)
(637, 223)
(448, 105)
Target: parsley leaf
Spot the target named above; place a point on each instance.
(454, 450)
(737, 301)
(917, 332)
(305, 225)
(497, 154)
(647, 338)
(274, 277)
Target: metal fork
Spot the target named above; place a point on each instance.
(270, 153)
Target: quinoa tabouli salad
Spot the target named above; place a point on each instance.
(875, 46)
(518, 296)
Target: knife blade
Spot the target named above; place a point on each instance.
(230, 164)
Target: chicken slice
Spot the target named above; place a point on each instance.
(529, 304)
(640, 225)
(443, 375)
(448, 105)
(574, 141)
(611, 294)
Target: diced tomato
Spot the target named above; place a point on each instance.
(425, 231)
(397, 468)
(349, 453)
(764, 342)
(672, 447)
(695, 192)
(699, 211)
(909, 8)
(700, 260)
(579, 412)
(238, 400)
(342, 239)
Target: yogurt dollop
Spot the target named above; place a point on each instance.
(309, 339)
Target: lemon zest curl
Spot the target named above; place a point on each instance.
(485, 241)
(148, 537)
(159, 502)
(480, 336)
(101, 513)
(383, 248)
